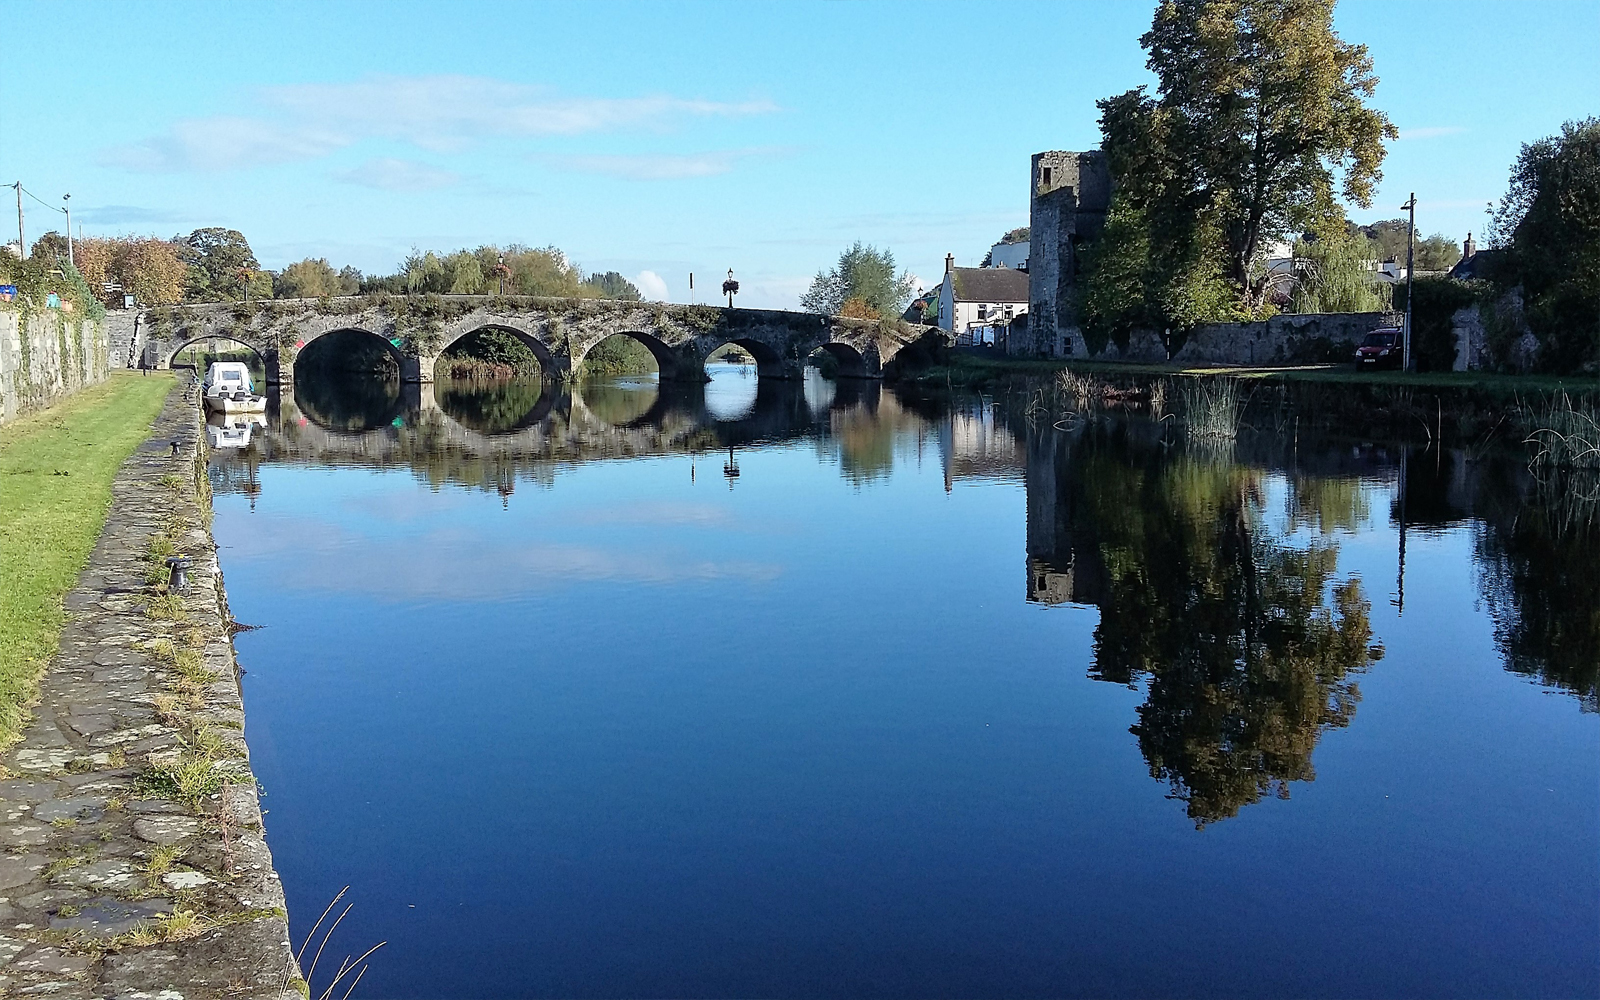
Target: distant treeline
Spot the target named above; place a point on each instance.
(217, 265)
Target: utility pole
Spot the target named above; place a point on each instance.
(70, 259)
(22, 241)
(1411, 266)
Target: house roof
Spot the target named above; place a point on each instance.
(1479, 265)
(990, 284)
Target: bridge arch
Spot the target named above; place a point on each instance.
(322, 338)
(769, 363)
(541, 350)
(848, 362)
(666, 359)
(166, 362)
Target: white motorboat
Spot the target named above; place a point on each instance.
(229, 389)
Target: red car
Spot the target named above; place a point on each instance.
(1380, 349)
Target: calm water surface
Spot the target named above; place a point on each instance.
(817, 691)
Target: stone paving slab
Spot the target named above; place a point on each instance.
(133, 862)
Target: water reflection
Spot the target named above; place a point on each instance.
(1238, 620)
(622, 402)
(350, 403)
(1247, 643)
(1539, 569)
(495, 406)
(850, 671)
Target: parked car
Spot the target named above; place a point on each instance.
(1380, 349)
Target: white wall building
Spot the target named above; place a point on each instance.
(974, 300)
(1012, 255)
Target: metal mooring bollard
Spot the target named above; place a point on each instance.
(174, 449)
(180, 574)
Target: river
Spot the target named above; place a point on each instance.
(823, 691)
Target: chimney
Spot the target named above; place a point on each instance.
(949, 263)
(1468, 248)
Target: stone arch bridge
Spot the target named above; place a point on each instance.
(417, 329)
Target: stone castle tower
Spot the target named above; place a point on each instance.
(1069, 195)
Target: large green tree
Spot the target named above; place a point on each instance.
(1390, 237)
(312, 278)
(612, 285)
(221, 263)
(864, 276)
(1549, 219)
(1260, 116)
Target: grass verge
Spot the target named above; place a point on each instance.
(56, 469)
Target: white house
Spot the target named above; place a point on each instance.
(974, 300)
(1012, 255)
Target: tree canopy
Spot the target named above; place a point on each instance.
(865, 277)
(1549, 220)
(220, 263)
(314, 278)
(1260, 115)
(1434, 253)
(151, 270)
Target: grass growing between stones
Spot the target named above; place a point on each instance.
(56, 469)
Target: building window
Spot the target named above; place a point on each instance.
(983, 312)
(1008, 312)
(1046, 176)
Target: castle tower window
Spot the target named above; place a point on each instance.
(1046, 176)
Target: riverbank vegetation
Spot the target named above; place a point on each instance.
(56, 469)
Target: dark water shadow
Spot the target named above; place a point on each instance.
(349, 402)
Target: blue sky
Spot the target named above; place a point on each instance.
(670, 138)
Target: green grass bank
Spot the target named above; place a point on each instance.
(56, 470)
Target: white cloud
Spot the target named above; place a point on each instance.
(1431, 131)
(440, 113)
(223, 143)
(445, 112)
(650, 166)
(651, 285)
(388, 174)
(126, 215)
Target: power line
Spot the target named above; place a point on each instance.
(46, 204)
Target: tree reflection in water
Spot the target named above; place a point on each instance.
(620, 401)
(492, 406)
(1249, 645)
(1540, 575)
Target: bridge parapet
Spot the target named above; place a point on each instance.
(417, 329)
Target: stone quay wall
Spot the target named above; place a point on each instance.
(135, 863)
(1285, 339)
(46, 355)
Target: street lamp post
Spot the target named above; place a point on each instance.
(70, 259)
(731, 287)
(1411, 262)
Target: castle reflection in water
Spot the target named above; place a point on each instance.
(1216, 574)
